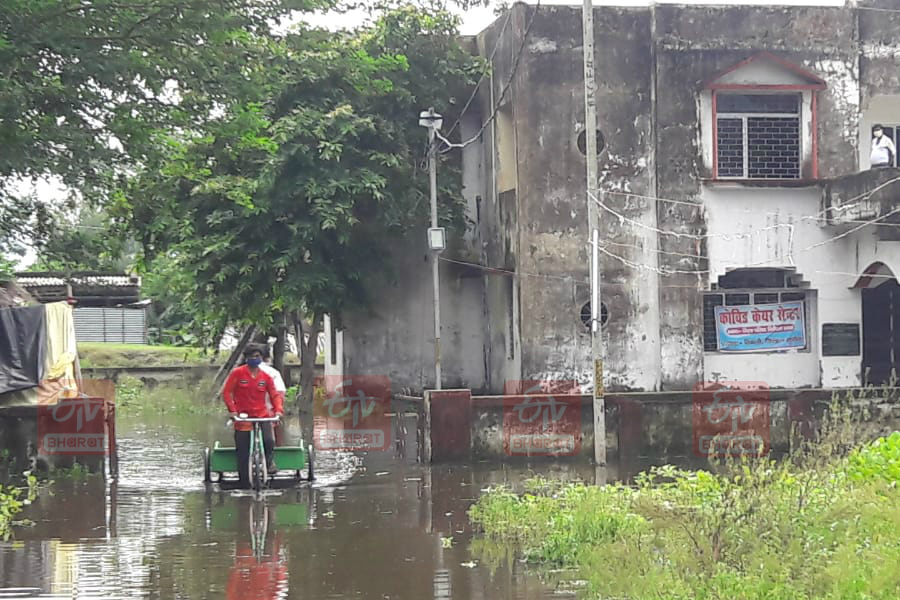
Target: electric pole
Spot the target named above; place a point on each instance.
(436, 237)
(590, 139)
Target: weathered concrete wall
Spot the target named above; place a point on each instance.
(667, 229)
(550, 201)
(551, 204)
(662, 424)
(396, 338)
(879, 77)
(775, 229)
(498, 223)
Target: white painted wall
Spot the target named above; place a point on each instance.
(334, 365)
(762, 72)
(777, 227)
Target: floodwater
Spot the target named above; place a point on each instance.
(379, 526)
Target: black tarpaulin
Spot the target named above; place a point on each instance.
(23, 343)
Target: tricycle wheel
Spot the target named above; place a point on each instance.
(207, 474)
(310, 455)
(257, 471)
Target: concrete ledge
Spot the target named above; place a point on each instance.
(171, 373)
(662, 423)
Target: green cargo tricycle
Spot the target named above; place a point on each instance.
(290, 460)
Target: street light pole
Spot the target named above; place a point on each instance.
(436, 238)
(590, 139)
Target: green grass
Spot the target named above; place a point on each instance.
(820, 525)
(100, 355)
(133, 398)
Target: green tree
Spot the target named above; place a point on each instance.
(91, 243)
(87, 86)
(292, 205)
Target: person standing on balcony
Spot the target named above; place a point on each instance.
(883, 149)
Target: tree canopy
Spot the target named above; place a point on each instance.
(259, 173)
(292, 204)
(88, 84)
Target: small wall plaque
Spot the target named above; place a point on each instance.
(840, 339)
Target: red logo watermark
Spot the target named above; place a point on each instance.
(542, 418)
(731, 419)
(352, 412)
(73, 417)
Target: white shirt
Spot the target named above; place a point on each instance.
(276, 377)
(882, 150)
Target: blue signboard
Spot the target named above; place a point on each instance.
(760, 327)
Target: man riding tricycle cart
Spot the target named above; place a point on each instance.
(256, 405)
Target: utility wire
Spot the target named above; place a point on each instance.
(506, 86)
(691, 236)
(848, 204)
(665, 271)
(569, 279)
(484, 72)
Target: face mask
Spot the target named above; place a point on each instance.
(254, 362)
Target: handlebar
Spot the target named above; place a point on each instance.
(242, 418)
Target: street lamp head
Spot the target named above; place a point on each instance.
(429, 118)
(437, 239)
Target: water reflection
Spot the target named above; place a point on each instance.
(379, 526)
(259, 570)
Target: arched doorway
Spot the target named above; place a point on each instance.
(880, 324)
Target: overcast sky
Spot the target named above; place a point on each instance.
(476, 19)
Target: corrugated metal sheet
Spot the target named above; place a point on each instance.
(119, 325)
(28, 280)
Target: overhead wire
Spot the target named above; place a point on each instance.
(484, 72)
(667, 271)
(567, 279)
(848, 204)
(496, 107)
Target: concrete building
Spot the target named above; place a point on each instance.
(734, 172)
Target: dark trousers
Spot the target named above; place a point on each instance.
(242, 447)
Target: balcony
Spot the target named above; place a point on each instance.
(856, 200)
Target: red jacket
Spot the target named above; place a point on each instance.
(245, 393)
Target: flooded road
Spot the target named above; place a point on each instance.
(379, 526)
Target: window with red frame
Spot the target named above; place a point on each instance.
(758, 135)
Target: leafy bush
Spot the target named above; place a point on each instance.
(802, 528)
(12, 501)
(879, 460)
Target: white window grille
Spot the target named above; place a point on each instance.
(758, 136)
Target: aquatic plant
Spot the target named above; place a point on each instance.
(820, 524)
(133, 397)
(12, 500)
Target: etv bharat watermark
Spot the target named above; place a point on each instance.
(352, 412)
(73, 417)
(731, 419)
(542, 418)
